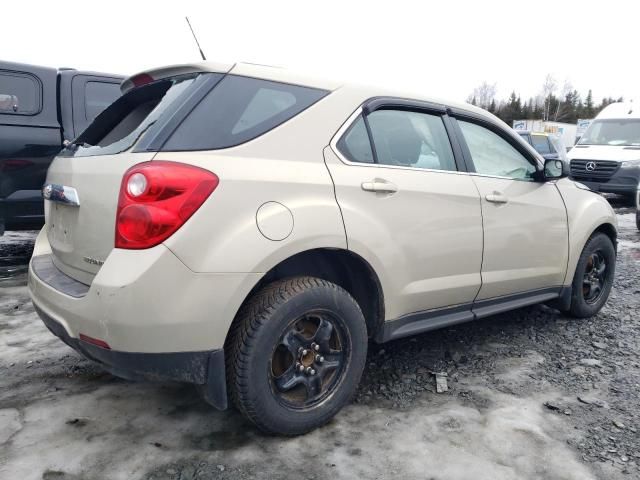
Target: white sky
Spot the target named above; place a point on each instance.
(444, 48)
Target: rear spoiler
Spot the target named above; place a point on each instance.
(148, 76)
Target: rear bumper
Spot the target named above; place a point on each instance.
(624, 182)
(141, 300)
(205, 368)
(160, 319)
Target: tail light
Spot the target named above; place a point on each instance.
(156, 199)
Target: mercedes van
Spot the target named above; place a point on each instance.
(607, 157)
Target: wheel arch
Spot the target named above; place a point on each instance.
(340, 266)
(578, 242)
(610, 231)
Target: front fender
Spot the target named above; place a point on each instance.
(586, 212)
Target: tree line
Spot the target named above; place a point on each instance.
(565, 105)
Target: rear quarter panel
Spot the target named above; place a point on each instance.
(286, 166)
(223, 236)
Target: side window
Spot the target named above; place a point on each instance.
(98, 96)
(19, 93)
(541, 144)
(240, 109)
(354, 144)
(411, 139)
(493, 155)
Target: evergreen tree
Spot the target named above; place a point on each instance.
(589, 110)
(567, 108)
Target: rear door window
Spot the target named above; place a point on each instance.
(20, 93)
(411, 139)
(240, 109)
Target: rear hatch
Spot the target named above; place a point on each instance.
(83, 235)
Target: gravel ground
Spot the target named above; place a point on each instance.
(531, 394)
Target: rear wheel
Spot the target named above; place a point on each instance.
(593, 277)
(296, 355)
(638, 218)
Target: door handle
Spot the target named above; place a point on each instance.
(379, 186)
(496, 197)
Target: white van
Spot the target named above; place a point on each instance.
(607, 157)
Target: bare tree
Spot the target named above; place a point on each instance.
(548, 89)
(484, 94)
(566, 90)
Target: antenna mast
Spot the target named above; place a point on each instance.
(195, 38)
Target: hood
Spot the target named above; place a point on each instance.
(604, 152)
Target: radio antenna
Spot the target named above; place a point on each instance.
(195, 38)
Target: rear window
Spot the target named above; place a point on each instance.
(120, 126)
(240, 109)
(20, 93)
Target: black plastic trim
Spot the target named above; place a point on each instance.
(45, 270)
(395, 103)
(372, 144)
(493, 306)
(427, 320)
(205, 368)
(458, 153)
(420, 322)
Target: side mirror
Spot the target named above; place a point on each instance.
(555, 169)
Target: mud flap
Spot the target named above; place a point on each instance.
(215, 390)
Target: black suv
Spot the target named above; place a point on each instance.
(40, 108)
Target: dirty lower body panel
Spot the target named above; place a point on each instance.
(205, 368)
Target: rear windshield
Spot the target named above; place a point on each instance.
(623, 132)
(240, 109)
(118, 127)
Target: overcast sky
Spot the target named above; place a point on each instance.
(444, 48)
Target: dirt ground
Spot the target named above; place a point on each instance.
(532, 395)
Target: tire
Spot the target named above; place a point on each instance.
(295, 355)
(585, 302)
(638, 218)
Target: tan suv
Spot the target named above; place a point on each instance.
(249, 230)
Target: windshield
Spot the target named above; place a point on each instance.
(622, 132)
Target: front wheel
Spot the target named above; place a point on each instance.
(296, 355)
(593, 277)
